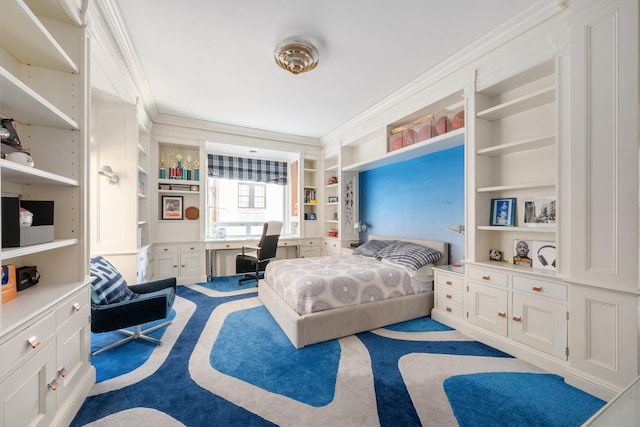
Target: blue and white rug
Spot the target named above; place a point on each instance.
(226, 362)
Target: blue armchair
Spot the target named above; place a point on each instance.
(115, 305)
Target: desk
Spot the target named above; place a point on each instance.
(622, 410)
(235, 244)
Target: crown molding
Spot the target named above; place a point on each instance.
(530, 18)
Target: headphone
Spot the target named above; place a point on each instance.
(543, 260)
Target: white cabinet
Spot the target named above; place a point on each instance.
(540, 324)
(185, 261)
(487, 307)
(311, 248)
(601, 205)
(449, 286)
(44, 87)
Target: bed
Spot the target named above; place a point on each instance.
(313, 322)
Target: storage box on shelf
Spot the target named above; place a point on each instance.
(45, 373)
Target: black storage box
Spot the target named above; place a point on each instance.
(41, 229)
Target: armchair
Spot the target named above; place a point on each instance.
(262, 254)
(115, 305)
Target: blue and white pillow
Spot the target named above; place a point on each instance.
(372, 247)
(109, 286)
(408, 254)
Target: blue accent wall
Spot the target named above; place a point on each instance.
(418, 198)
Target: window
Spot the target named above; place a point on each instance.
(237, 194)
(252, 196)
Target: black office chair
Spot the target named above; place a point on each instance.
(115, 305)
(263, 253)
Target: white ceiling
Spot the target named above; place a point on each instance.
(213, 59)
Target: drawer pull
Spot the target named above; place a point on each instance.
(34, 342)
(502, 314)
(517, 318)
(311, 243)
(63, 372)
(449, 309)
(448, 296)
(53, 385)
(192, 248)
(165, 249)
(183, 266)
(537, 288)
(76, 306)
(486, 277)
(448, 282)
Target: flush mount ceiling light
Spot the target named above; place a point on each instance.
(296, 55)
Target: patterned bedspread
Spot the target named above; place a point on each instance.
(310, 285)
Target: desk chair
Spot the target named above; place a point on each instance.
(115, 305)
(263, 253)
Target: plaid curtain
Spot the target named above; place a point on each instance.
(256, 170)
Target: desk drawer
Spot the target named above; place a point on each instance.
(540, 287)
(488, 276)
(191, 247)
(18, 347)
(160, 249)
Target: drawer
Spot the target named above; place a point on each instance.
(449, 307)
(450, 294)
(448, 280)
(72, 305)
(488, 276)
(310, 243)
(540, 287)
(18, 347)
(191, 247)
(160, 249)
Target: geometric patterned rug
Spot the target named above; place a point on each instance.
(226, 362)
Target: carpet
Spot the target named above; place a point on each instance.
(225, 362)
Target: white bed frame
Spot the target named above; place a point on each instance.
(307, 329)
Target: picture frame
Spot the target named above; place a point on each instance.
(522, 251)
(495, 255)
(538, 212)
(544, 254)
(172, 207)
(503, 212)
(333, 200)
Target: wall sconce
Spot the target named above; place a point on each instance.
(458, 228)
(360, 226)
(106, 170)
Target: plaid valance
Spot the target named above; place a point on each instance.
(256, 170)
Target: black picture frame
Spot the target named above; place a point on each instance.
(172, 207)
(503, 212)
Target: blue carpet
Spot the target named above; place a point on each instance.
(228, 283)
(251, 347)
(507, 400)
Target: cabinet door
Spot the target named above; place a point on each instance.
(166, 265)
(604, 147)
(539, 323)
(191, 264)
(72, 348)
(487, 307)
(26, 396)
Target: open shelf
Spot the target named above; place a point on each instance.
(534, 186)
(8, 253)
(518, 146)
(519, 105)
(21, 174)
(518, 229)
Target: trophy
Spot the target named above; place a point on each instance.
(187, 169)
(162, 171)
(179, 167)
(196, 170)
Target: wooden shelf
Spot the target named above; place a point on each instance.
(513, 187)
(24, 105)
(432, 145)
(518, 105)
(518, 229)
(21, 174)
(8, 253)
(40, 48)
(518, 146)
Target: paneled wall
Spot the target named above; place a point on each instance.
(419, 198)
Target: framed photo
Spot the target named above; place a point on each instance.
(544, 255)
(522, 250)
(495, 255)
(333, 200)
(172, 207)
(503, 212)
(539, 212)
